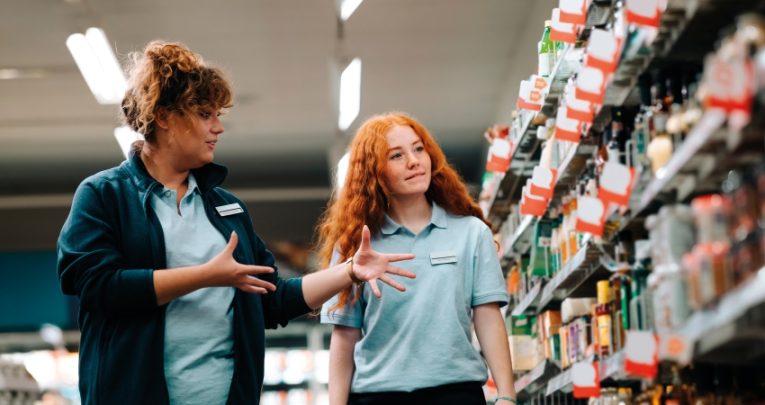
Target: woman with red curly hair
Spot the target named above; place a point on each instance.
(415, 347)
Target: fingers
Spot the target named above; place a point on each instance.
(397, 257)
(366, 244)
(253, 269)
(387, 280)
(400, 272)
(232, 242)
(252, 289)
(258, 283)
(375, 288)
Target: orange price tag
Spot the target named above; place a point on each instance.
(675, 348)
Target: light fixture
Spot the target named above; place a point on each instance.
(125, 138)
(347, 7)
(350, 94)
(341, 171)
(95, 59)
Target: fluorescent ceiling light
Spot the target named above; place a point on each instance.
(350, 94)
(347, 7)
(98, 65)
(342, 171)
(125, 138)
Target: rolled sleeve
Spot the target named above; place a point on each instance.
(488, 282)
(349, 315)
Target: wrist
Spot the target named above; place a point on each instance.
(351, 274)
(505, 400)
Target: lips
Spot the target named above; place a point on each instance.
(211, 144)
(415, 176)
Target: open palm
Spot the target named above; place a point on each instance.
(369, 265)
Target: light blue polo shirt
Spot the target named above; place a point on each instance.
(421, 338)
(199, 340)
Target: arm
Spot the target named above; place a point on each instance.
(490, 329)
(341, 363)
(367, 265)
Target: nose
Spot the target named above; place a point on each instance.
(217, 126)
(412, 160)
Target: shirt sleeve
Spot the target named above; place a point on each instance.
(92, 267)
(351, 314)
(488, 282)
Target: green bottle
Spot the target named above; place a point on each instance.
(546, 51)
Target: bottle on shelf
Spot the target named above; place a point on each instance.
(546, 51)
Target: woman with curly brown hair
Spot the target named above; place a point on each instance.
(175, 287)
(413, 348)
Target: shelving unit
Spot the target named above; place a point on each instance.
(732, 331)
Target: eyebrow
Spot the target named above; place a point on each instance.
(399, 147)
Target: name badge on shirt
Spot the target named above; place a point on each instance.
(229, 209)
(442, 258)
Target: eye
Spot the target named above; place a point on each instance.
(205, 114)
(395, 156)
(419, 148)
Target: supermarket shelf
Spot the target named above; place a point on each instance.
(520, 240)
(529, 301)
(579, 269)
(699, 136)
(718, 334)
(526, 144)
(612, 368)
(561, 382)
(569, 169)
(535, 379)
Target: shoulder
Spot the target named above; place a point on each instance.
(104, 181)
(467, 223)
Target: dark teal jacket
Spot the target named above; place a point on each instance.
(110, 245)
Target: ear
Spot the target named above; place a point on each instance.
(161, 118)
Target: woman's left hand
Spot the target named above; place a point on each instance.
(369, 265)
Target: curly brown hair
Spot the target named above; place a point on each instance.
(364, 196)
(169, 75)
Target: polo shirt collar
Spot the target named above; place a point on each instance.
(437, 219)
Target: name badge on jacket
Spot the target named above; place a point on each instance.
(229, 209)
(442, 258)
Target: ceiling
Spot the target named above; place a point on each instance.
(453, 64)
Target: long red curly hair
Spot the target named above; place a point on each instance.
(363, 197)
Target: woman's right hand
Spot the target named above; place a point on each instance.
(225, 271)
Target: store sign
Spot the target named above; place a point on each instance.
(644, 12)
(591, 85)
(561, 31)
(641, 354)
(585, 377)
(603, 51)
(573, 11)
(531, 93)
(543, 182)
(675, 348)
(500, 155)
(616, 182)
(567, 129)
(590, 215)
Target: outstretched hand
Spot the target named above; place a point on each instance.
(369, 265)
(225, 271)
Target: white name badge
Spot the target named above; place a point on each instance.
(229, 209)
(442, 258)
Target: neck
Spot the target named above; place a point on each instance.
(412, 212)
(162, 168)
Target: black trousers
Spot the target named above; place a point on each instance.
(467, 393)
